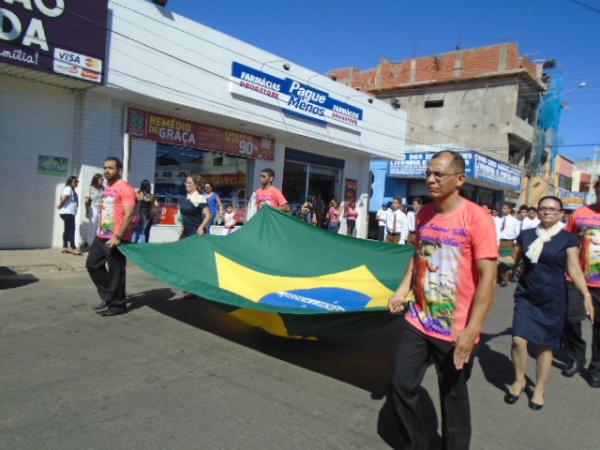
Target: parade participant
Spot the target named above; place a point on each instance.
(351, 214)
(92, 207)
(522, 214)
(381, 215)
(454, 281)
(194, 209)
(509, 229)
(214, 203)
(396, 223)
(117, 209)
(67, 209)
(411, 216)
(333, 216)
(269, 194)
(541, 295)
(531, 221)
(585, 222)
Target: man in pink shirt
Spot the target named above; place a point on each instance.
(269, 194)
(585, 223)
(116, 213)
(453, 280)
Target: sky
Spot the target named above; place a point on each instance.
(328, 34)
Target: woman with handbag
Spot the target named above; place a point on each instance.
(67, 207)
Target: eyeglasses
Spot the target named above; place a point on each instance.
(543, 209)
(438, 176)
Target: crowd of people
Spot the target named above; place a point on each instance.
(463, 251)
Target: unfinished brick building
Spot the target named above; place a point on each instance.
(483, 98)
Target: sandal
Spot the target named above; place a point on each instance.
(76, 252)
(65, 250)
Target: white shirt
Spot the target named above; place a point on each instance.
(381, 215)
(510, 227)
(411, 218)
(70, 206)
(229, 219)
(401, 223)
(528, 224)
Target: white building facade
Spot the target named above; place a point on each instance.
(170, 96)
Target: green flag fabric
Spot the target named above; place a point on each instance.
(287, 277)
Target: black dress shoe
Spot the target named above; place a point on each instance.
(535, 406)
(572, 369)
(593, 380)
(113, 311)
(511, 398)
(100, 306)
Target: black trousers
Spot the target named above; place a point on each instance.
(107, 269)
(69, 230)
(380, 233)
(572, 337)
(415, 352)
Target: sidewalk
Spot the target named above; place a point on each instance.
(46, 259)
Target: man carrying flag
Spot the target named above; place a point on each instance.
(453, 278)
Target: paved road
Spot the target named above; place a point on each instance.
(179, 374)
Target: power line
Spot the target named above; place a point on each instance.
(591, 8)
(215, 74)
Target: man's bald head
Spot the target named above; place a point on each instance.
(456, 162)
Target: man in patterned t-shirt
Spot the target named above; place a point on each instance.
(585, 222)
(105, 263)
(453, 280)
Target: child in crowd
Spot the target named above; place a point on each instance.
(229, 218)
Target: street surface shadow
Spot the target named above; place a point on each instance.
(362, 360)
(11, 280)
(497, 367)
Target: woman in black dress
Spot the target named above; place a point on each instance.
(541, 295)
(194, 210)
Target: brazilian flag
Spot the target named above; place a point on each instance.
(287, 277)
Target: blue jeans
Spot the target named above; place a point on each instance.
(333, 227)
(141, 232)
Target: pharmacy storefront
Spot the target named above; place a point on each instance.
(169, 101)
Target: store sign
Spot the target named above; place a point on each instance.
(65, 37)
(572, 200)
(185, 133)
(477, 166)
(294, 97)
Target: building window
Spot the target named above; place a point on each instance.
(565, 182)
(434, 103)
(228, 175)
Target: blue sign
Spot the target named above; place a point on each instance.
(477, 166)
(294, 97)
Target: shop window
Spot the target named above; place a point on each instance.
(228, 174)
(565, 182)
(434, 103)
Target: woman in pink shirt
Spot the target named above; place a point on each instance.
(351, 214)
(333, 216)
